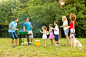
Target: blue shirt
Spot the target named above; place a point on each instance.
(27, 26)
(13, 25)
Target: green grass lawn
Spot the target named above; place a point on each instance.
(6, 49)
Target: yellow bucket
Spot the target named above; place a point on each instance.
(37, 42)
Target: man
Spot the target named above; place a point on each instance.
(12, 28)
(28, 27)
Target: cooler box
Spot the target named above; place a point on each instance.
(37, 42)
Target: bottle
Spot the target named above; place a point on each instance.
(21, 40)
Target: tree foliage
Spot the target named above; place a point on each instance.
(43, 13)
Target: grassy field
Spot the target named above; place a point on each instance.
(6, 50)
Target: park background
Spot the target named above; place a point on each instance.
(42, 13)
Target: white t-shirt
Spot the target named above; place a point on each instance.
(50, 30)
(64, 24)
(56, 32)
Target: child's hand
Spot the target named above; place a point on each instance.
(40, 30)
(53, 28)
(61, 26)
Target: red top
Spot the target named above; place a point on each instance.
(71, 24)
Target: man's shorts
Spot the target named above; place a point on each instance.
(13, 35)
(31, 36)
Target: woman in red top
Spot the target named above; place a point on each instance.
(72, 23)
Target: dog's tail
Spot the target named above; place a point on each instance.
(80, 45)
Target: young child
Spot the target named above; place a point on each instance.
(56, 32)
(44, 34)
(51, 36)
(72, 23)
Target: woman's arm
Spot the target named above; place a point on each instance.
(73, 26)
(65, 25)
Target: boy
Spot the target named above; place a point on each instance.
(56, 32)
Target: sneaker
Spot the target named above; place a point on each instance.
(28, 44)
(66, 44)
(31, 43)
(14, 46)
(56, 44)
(44, 45)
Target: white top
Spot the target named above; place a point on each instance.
(44, 35)
(56, 32)
(64, 24)
(50, 30)
(45, 32)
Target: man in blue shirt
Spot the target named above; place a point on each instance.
(12, 28)
(28, 27)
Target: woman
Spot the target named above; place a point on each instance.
(66, 28)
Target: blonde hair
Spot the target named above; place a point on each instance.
(73, 17)
(64, 18)
(45, 28)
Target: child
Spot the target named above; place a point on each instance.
(72, 23)
(44, 34)
(56, 32)
(51, 36)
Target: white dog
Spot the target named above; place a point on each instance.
(75, 42)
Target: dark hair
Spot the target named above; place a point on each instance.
(51, 25)
(26, 18)
(15, 18)
(56, 22)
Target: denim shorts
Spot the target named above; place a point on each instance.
(56, 38)
(66, 31)
(13, 35)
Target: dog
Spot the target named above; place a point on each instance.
(75, 42)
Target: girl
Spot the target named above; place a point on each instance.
(51, 36)
(65, 27)
(72, 23)
(44, 34)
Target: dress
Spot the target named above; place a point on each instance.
(51, 36)
(44, 36)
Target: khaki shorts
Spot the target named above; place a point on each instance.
(71, 30)
(31, 36)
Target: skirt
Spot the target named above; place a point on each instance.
(44, 37)
(51, 36)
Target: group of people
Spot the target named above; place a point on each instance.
(56, 30)
(27, 27)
